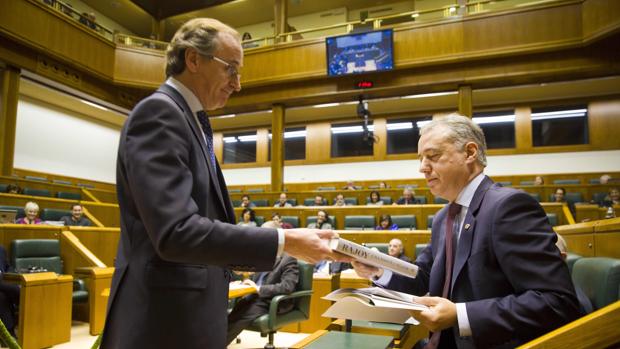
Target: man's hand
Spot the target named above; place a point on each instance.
(366, 271)
(311, 245)
(249, 282)
(441, 315)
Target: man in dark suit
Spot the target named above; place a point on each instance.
(178, 238)
(281, 280)
(494, 276)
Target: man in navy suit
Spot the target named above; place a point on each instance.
(178, 238)
(492, 275)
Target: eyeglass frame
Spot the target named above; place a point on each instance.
(232, 71)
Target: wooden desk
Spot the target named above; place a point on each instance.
(344, 340)
(322, 284)
(240, 291)
(351, 280)
(44, 308)
(98, 282)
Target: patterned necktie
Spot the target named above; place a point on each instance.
(453, 210)
(206, 128)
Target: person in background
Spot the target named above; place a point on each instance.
(282, 201)
(408, 197)
(13, 189)
(349, 186)
(246, 37)
(319, 201)
(246, 203)
(612, 198)
(539, 180)
(276, 222)
(375, 199)
(560, 196)
(385, 223)
(584, 302)
(248, 217)
(32, 211)
(382, 185)
(605, 179)
(396, 249)
(76, 218)
(339, 201)
(322, 221)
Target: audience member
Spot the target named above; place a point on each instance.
(246, 37)
(382, 185)
(539, 180)
(245, 202)
(32, 211)
(76, 217)
(322, 221)
(276, 222)
(9, 296)
(319, 201)
(584, 302)
(339, 201)
(605, 179)
(396, 249)
(560, 196)
(375, 199)
(349, 186)
(408, 197)
(282, 280)
(282, 201)
(385, 223)
(612, 198)
(248, 218)
(13, 189)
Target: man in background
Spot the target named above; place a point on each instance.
(396, 249)
(77, 217)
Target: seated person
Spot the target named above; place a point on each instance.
(245, 202)
(612, 198)
(339, 201)
(605, 179)
(9, 297)
(560, 196)
(32, 211)
(328, 267)
(408, 197)
(396, 249)
(584, 302)
(276, 222)
(248, 218)
(349, 186)
(282, 279)
(382, 185)
(319, 201)
(375, 199)
(385, 223)
(282, 201)
(539, 180)
(76, 218)
(322, 221)
(13, 189)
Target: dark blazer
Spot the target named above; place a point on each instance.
(178, 238)
(507, 270)
(281, 280)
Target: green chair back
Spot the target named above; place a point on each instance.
(405, 222)
(566, 181)
(19, 210)
(381, 246)
(37, 192)
(292, 220)
(52, 214)
(438, 200)
(359, 222)
(69, 196)
(42, 253)
(599, 278)
(429, 221)
(419, 248)
(331, 220)
(261, 202)
(553, 219)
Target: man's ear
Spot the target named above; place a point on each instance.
(191, 60)
(471, 149)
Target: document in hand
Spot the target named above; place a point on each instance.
(373, 257)
(372, 304)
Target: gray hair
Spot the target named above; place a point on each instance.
(200, 34)
(461, 130)
(31, 205)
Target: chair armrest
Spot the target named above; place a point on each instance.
(79, 285)
(273, 307)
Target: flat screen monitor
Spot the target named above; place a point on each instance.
(359, 53)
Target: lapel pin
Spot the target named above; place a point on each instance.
(467, 226)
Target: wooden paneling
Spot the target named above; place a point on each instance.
(321, 286)
(318, 142)
(140, 68)
(97, 281)
(604, 123)
(599, 17)
(9, 85)
(277, 148)
(108, 196)
(102, 242)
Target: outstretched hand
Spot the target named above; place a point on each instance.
(366, 271)
(311, 245)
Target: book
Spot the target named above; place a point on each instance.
(373, 257)
(372, 304)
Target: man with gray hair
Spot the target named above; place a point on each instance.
(491, 275)
(178, 238)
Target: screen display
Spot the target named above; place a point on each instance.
(359, 53)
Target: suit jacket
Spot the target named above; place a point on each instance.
(282, 279)
(178, 238)
(507, 270)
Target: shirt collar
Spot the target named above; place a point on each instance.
(192, 101)
(467, 194)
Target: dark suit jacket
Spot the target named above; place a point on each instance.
(507, 270)
(282, 279)
(178, 238)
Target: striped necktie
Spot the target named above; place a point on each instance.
(206, 128)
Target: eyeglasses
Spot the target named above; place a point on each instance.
(232, 72)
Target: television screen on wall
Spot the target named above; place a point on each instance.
(359, 53)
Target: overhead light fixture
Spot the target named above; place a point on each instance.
(293, 134)
(229, 139)
(94, 105)
(493, 119)
(326, 105)
(421, 124)
(561, 114)
(399, 126)
(226, 116)
(415, 15)
(248, 138)
(350, 129)
(452, 9)
(427, 95)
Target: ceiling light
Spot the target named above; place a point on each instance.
(248, 138)
(452, 9)
(414, 15)
(293, 134)
(229, 139)
(561, 114)
(399, 126)
(425, 95)
(421, 124)
(326, 105)
(493, 119)
(351, 129)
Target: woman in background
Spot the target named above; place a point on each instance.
(385, 223)
(32, 211)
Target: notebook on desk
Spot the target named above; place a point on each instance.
(7, 216)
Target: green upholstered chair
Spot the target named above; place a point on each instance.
(18, 209)
(429, 221)
(292, 220)
(505, 183)
(259, 220)
(387, 200)
(405, 222)
(269, 323)
(421, 199)
(599, 278)
(419, 248)
(52, 214)
(526, 183)
(331, 220)
(43, 253)
(553, 219)
(61, 181)
(37, 192)
(261, 202)
(326, 188)
(571, 258)
(566, 181)
(403, 186)
(236, 191)
(381, 246)
(310, 202)
(350, 200)
(68, 196)
(293, 201)
(574, 197)
(86, 185)
(255, 190)
(236, 203)
(3, 188)
(438, 200)
(594, 181)
(359, 222)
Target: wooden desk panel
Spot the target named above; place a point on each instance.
(103, 242)
(321, 286)
(97, 280)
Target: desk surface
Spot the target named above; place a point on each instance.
(236, 291)
(345, 340)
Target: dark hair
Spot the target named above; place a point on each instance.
(245, 196)
(11, 187)
(76, 204)
(326, 218)
(560, 188)
(378, 196)
(386, 217)
(252, 214)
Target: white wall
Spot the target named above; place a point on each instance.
(593, 161)
(54, 140)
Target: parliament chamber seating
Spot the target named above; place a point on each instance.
(292, 201)
(269, 323)
(86, 185)
(536, 196)
(310, 201)
(68, 195)
(553, 219)
(37, 192)
(50, 214)
(419, 248)
(405, 222)
(387, 200)
(438, 200)
(3, 187)
(505, 183)
(331, 220)
(571, 258)
(36, 178)
(350, 201)
(359, 222)
(292, 220)
(526, 183)
(599, 278)
(18, 209)
(325, 188)
(566, 181)
(261, 202)
(429, 221)
(255, 190)
(61, 181)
